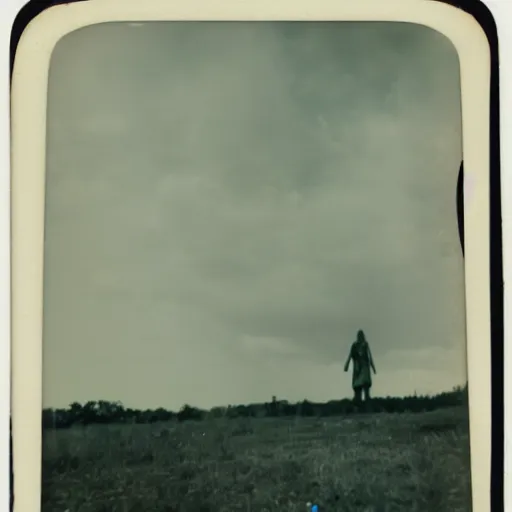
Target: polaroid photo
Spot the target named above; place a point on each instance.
(251, 258)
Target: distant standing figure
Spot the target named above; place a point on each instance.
(362, 361)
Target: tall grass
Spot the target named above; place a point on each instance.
(368, 463)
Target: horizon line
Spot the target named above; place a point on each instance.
(454, 389)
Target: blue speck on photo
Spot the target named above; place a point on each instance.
(314, 508)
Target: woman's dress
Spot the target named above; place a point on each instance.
(361, 376)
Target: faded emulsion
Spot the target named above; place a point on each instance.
(236, 216)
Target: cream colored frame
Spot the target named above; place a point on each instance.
(29, 96)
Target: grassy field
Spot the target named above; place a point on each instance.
(366, 463)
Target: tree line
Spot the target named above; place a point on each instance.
(106, 412)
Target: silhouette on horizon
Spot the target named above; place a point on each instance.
(362, 362)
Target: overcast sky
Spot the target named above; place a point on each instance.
(227, 204)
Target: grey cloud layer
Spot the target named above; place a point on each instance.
(254, 193)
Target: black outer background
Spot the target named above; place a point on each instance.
(484, 17)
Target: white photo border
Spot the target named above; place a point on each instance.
(28, 149)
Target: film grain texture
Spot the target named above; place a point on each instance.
(254, 295)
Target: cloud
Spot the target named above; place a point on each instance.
(260, 199)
